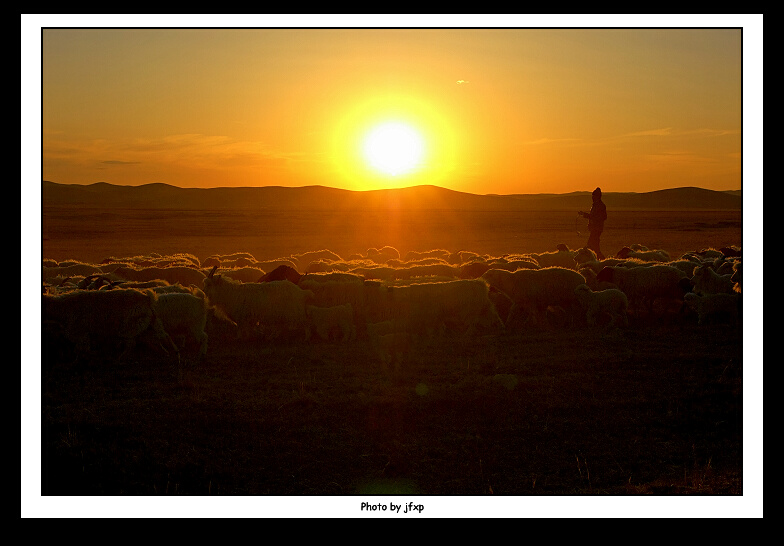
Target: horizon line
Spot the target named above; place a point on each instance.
(382, 189)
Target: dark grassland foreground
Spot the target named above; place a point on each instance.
(655, 409)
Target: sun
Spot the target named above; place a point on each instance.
(393, 148)
(391, 141)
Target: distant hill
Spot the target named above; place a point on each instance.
(164, 196)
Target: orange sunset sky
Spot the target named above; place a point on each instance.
(482, 110)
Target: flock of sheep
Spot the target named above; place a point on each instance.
(170, 303)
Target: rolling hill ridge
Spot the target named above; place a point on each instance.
(165, 196)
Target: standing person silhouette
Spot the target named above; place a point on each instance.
(596, 218)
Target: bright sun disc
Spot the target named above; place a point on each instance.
(393, 148)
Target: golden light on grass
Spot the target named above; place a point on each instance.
(393, 142)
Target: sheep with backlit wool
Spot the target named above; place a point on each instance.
(432, 308)
(325, 266)
(514, 265)
(184, 317)
(383, 254)
(235, 259)
(244, 274)
(72, 270)
(644, 254)
(303, 259)
(420, 254)
(561, 257)
(340, 276)
(173, 275)
(268, 309)
(707, 254)
(592, 281)
(420, 261)
(473, 270)
(330, 290)
(647, 284)
(532, 291)
(707, 281)
(157, 285)
(585, 258)
(685, 265)
(91, 319)
(610, 303)
(462, 256)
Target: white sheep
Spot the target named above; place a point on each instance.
(610, 302)
(709, 253)
(173, 275)
(331, 276)
(585, 257)
(473, 270)
(435, 253)
(715, 308)
(222, 260)
(420, 261)
(562, 257)
(90, 319)
(433, 308)
(532, 291)
(244, 274)
(271, 265)
(645, 285)
(332, 289)
(707, 281)
(336, 322)
(159, 285)
(270, 309)
(644, 254)
(515, 264)
(325, 266)
(462, 256)
(387, 252)
(72, 270)
(303, 260)
(184, 318)
(685, 265)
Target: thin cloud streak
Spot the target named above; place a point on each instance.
(209, 151)
(662, 132)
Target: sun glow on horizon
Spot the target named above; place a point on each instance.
(393, 142)
(394, 148)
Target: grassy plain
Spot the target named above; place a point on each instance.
(94, 234)
(655, 409)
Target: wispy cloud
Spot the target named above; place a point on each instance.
(191, 150)
(669, 131)
(541, 141)
(666, 131)
(116, 162)
(662, 132)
